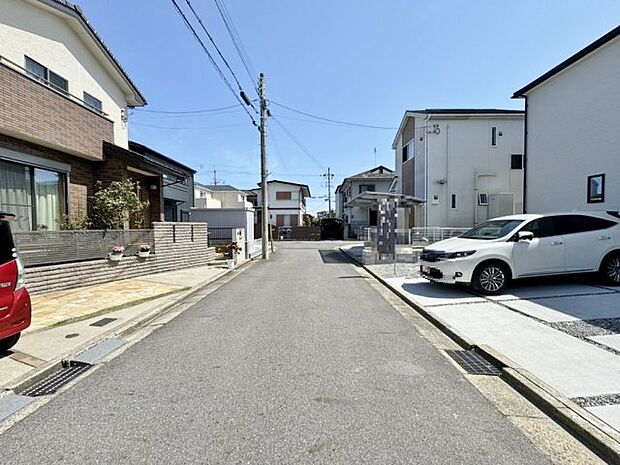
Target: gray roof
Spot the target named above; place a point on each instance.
(374, 174)
(219, 187)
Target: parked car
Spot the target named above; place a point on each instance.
(15, 308)
(493, 253)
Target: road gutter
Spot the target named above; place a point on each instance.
(592, 432)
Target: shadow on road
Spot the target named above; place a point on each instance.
(333, 257)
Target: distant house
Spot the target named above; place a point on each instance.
(287, 203)
(223, 206)
(177, 181)
(571, 133)
(378, 179)
(64, 121)
(463, 165)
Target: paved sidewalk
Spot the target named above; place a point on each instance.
(564, 331)
(66, 320)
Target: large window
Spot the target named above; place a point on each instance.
(40, 72)
(93, 102)
(284, 195)
(367, 188)
(36, 196)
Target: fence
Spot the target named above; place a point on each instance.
(414, 236)
(51, 247)
(220, 236)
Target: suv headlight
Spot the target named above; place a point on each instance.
(21, 275)
(452, 255)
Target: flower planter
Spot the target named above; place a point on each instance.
(115, 257)
(230, 264)
(144, 254)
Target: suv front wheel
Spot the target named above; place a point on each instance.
(491, 278)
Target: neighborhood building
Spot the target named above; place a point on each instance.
(177, 181)
(64, 121)
(378, 179)
(223, 207)
(462, 166)
(571, 133)
(287, 203)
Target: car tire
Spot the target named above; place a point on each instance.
(7, 343)
(610, 269)
(491, 278)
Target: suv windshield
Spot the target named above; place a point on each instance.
(7, 248)
(493, 229)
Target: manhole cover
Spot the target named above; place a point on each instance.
(473, 363)
(55, 381)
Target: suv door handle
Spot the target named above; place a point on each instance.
(604, 238)
(557, 243)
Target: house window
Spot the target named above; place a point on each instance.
(493, 136)
(453, 201)
(405, 153)
(596, 188)
(36, 196)
(516, 162)
(483, 199)
(283, 195)
(367, 188)
(93, 102)
(280, 220)
(41, 73)
(294, 220)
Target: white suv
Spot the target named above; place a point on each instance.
(518, 246)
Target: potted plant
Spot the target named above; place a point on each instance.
(117, 253)
(144, 251)
(232, 249)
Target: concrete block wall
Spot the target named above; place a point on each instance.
(177, 246)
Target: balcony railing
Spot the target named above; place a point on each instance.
(20, 69)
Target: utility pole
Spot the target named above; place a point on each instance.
(263, 166)
(329, 175)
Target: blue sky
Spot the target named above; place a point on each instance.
(362, 61)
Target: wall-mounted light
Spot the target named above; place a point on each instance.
(153, 187)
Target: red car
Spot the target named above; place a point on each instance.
(15, 309)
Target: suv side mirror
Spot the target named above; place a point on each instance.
(525, 235)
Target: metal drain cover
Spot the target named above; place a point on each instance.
(55, 381)
(473, 363)
(103, 322)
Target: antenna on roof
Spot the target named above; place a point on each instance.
(375, 156)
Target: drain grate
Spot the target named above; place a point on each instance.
(103, 322)
(473, 363)
(55, 381)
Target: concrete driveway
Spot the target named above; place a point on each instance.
(564, 331)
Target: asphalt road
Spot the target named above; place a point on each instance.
(296, 361)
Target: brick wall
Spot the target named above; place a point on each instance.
(31, 110)
(177, 246)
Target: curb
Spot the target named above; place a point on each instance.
(29, 379)
(591, 431)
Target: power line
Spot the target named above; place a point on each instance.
(298, 143)
(188, 127)
(346, 123)
(211, 59)
(214, 44)
(188, 112)
(236, 40)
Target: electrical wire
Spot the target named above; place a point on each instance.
(188, 127)
(188, 112)
(346, 123)
(211, 59)
(298, 143)
(236, 40)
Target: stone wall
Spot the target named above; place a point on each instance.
(177, 245)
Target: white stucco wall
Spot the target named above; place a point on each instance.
(48, 38)
(573, 124)
(295, 206)
(462, 155)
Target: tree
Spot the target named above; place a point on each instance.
(113, 206)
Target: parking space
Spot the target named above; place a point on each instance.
(566, 332)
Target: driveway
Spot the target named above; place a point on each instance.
(564, 331)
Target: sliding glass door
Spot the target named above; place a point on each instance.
(36, 196)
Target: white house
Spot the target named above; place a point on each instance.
(378, 179)
(287, 203)
(223, 206)
(465, 165)
(572, 137)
